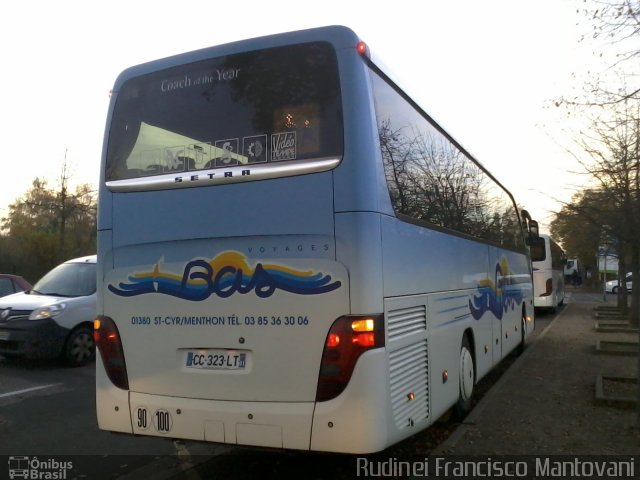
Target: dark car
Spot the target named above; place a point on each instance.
(12, 284)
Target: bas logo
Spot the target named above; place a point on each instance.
(224, 275)
(496, 296)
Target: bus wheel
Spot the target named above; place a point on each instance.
(525, 338)
(467, 380)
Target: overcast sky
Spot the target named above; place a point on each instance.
(487, 71)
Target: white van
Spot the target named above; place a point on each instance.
(54, 318)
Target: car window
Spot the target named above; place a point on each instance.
(6, 286)
(68, 280)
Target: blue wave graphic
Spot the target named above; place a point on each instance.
(488, 300)
(200, 281)
(497, 298)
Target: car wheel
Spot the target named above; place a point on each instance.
(79, 348)
(467, 379)
(614, 290)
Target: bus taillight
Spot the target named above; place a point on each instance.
(107, 340)
(348, 338)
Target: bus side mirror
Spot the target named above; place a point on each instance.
(531, 226)
(533, 229)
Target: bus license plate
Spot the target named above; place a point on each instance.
(216, 359)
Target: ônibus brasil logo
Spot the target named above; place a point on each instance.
(35, 468)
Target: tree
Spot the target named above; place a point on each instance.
(614, 148)
(609, 209)
(616, 25)
(617, 172)
(617, 22)
(610, 142)
(577, 226)
(76, 211)
(45, 227)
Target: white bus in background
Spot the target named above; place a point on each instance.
(548, 261)
(293, 254)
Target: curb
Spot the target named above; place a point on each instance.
(609, 347)
(615, 328)
(614, 401)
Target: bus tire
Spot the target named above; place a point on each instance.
(467, 378)
(524, 337)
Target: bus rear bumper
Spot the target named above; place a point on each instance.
(544, 302)
(261, 424)
(353, 422)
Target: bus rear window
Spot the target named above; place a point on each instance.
(538, 252)
(257, 108)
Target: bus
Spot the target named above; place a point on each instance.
(548, 261)
(293, 254)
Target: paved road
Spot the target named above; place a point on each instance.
(48, 410)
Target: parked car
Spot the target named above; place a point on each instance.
(54, 318)
(613, 285)
(12, 284)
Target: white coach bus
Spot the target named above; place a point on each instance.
(293, 254)
(548, 261)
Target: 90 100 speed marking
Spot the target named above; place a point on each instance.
(162, 420)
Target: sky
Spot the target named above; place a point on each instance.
(487, 71)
